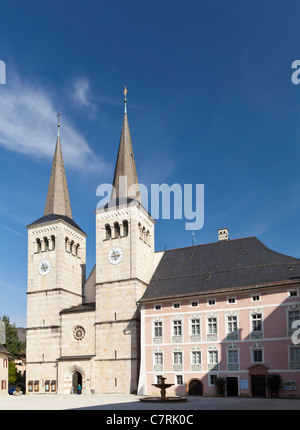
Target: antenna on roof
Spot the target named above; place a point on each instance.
(194, 238)
(194, 241)
(165, 247)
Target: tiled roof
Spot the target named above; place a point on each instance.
(218, 266)
(85, 307)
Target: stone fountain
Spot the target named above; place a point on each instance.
(163, 398)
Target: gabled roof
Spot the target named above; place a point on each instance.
(55, 217)
(219, 266)
(3, 350)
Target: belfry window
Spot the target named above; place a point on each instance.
(125, 228)
(117, 229)
(46, 244)
(52, 243)
(38, 245)
(72, 248)
(107, 232)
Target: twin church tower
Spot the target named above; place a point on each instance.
(86, 330)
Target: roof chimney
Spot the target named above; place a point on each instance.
(223, 234)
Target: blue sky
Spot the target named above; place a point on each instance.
(210, 101)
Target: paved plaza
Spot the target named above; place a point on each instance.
(115, 402)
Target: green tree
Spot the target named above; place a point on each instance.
(220, 384)
(14, 346)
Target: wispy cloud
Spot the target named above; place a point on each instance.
(81, 94)
(10, 286)
(27, 126)
(13, 231)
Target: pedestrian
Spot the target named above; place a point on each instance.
(79, 389)
(72, 390)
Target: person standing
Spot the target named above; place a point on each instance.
(79, 389)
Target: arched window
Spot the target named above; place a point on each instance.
(72, 247)
(125, 228)
(46, 244)
(67, 244)
(107, 232)
(140, 230)
(77, 250)
(52, 243)
(38, 245)
(117, 229)
(148, 237)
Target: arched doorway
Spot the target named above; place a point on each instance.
(258, 375)
(76, 380)
(195, 387)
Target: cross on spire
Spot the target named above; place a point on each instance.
(125, 100)
(58, 124)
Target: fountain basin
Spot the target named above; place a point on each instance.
(163, 398)
(169, 399)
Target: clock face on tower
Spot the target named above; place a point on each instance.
(115, 256)
(44, 267)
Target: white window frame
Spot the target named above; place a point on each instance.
(257, 347)
(233, 348)
(208, 317)
(177, 304)
(227, 324)
(213, 353)
(293, 290)
(177, 324)
(256, 295)
(194, 306)
(231, 298)
(158, 354)
(293, 347)
(195, 353)
(176, 382)
(159, 339)
(157, 307)
(211, 300)
(256, 319)
(177, 354)
(210, 374)
(198, 325)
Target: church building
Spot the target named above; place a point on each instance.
(190, 314)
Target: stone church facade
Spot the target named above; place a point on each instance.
(142, 314)
(87, 331)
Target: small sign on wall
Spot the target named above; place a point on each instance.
(290, 386)
(244, 384)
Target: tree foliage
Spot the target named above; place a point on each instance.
(14, 346)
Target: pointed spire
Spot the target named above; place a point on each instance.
(58, 199)
(125, 181)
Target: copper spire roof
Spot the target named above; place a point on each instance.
(125, 181)
(58, 199)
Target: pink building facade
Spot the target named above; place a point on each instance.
(240, 332)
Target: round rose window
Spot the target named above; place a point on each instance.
(78, 332)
